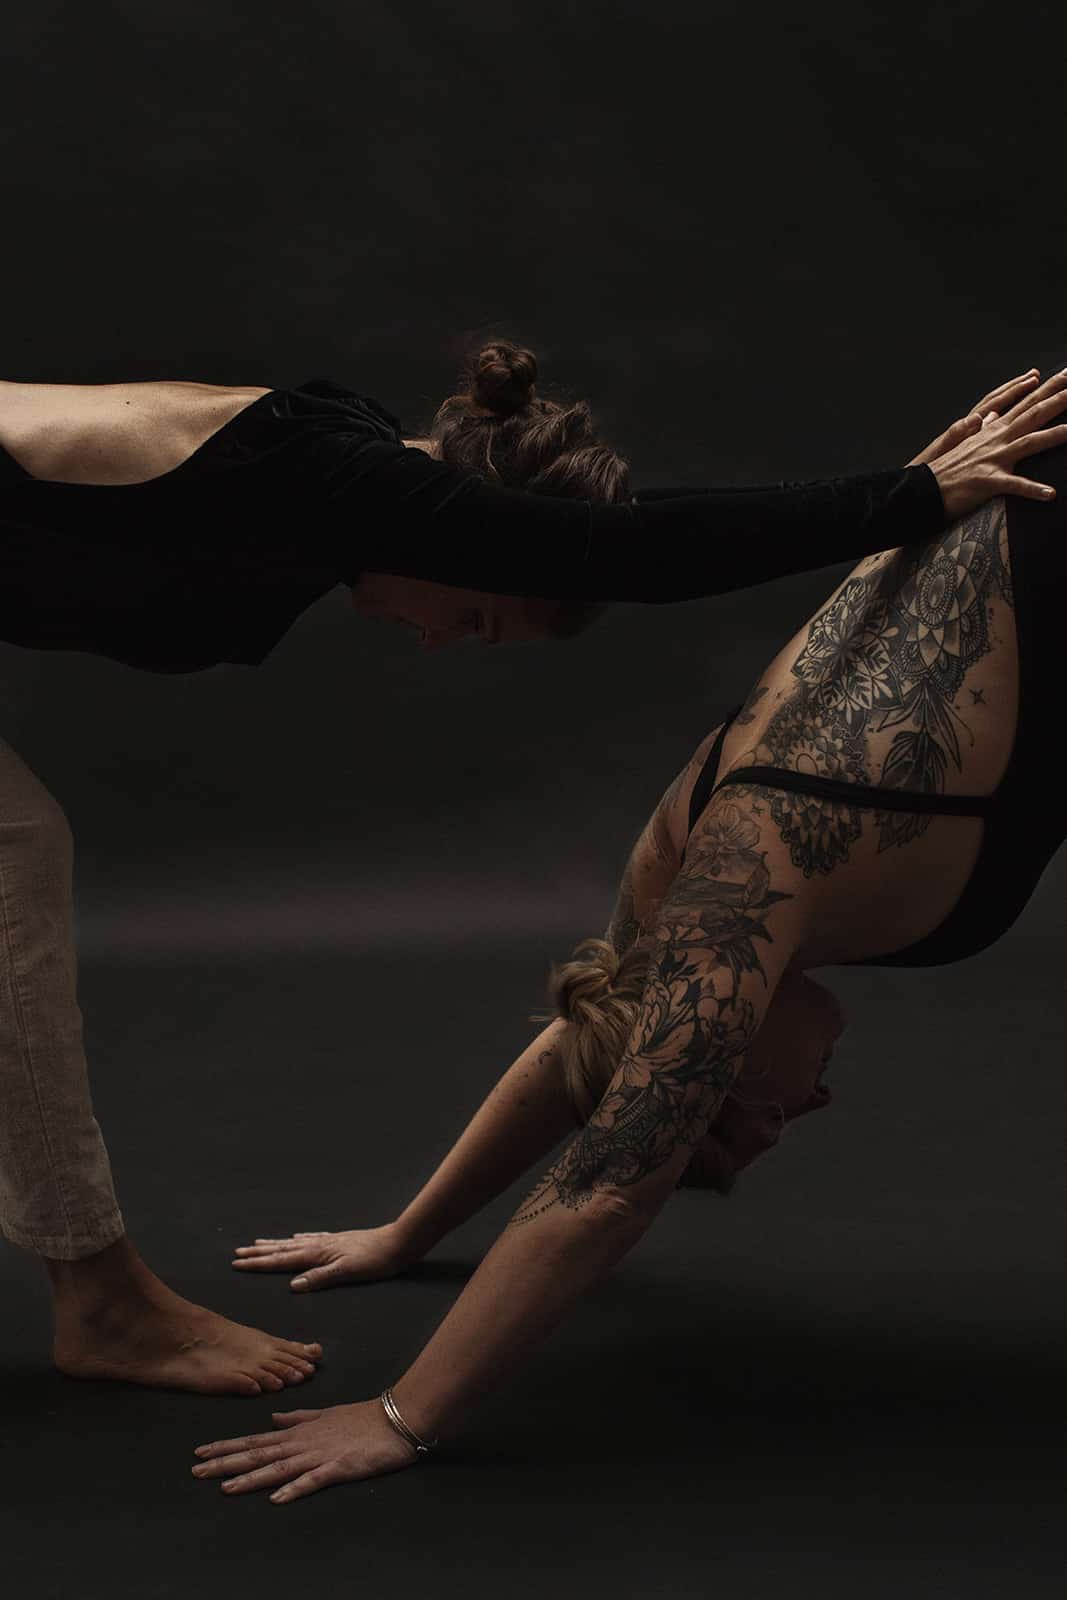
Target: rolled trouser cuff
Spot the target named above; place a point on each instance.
(89, 1237)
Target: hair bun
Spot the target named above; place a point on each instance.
(583, 985)
(503, 377)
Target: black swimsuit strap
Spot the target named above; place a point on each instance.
(853, 794)
(862, 794)
(705, 783)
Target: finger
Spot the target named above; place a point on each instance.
(1031, 444)
(289, 1419)
(320, 1277)
(311, 1236)
(268, 1477)
(229, 1447)
(1025, 488)
(1012, 389)
(1037, 416)
(268, 1260)
(271, 1248)
(270, 1263)
(246, 1460)
(310, 1482)
(1044, 391)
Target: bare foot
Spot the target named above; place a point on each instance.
(178, 1345)
(115, 1319)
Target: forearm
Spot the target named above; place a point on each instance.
(523, 1117)
(425, 519)
(522, 1288)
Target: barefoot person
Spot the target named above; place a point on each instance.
(173, 526)
(883, 797)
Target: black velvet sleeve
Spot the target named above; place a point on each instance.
(396, 510)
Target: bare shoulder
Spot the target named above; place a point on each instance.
(113, 433)
(656, 855)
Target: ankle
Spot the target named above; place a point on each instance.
(110, 1278)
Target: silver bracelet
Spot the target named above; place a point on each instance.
(421, 1446)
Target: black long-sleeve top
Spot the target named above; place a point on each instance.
(309, 486)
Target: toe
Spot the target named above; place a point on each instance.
(285, 1372)
(300, 1364)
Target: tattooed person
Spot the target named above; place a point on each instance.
(175, 526)
(872, 801)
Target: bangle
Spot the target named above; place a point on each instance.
(421, 1446)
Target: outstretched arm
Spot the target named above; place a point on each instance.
(725, 935)
(393, 510)
(522, 1118)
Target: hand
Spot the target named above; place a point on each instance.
(996, 401)
(312, 1450)
(323, 1260)
(981, 465)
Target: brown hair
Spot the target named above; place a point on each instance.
(598, 993)
(498, 426)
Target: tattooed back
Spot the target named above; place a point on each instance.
(906, 679)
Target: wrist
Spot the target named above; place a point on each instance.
(948, 487)
(425, 1417)
(414, 1238)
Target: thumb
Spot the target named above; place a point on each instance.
(319, 1277)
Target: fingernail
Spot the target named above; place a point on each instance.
(201, 1450)
(199, 1471)
(299, 1283)
(228, 1483)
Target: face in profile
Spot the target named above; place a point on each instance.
(442, 615)
(779, 1079)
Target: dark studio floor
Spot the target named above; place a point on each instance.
(846, 1378)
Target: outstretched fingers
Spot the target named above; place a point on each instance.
(278, 1255)
(1006, 394)
(1031, 444)
(1029, 403)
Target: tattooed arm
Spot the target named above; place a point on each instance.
(653, 862)
(528, 1111)
(724, 937)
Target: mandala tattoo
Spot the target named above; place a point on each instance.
(697, 1019)
(890, 651)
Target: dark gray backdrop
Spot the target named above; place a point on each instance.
(762, 245)
(317, 899)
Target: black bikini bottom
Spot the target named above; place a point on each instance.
(1025, 820)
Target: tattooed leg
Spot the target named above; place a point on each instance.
(723, 939)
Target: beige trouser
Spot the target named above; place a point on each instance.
(56, 1193)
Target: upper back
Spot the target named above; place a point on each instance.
(112, 433)
(906, 677)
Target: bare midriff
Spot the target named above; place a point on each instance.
(113, 433)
